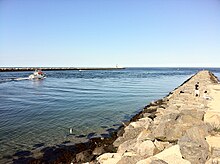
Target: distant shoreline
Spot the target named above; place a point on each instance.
(16, 69)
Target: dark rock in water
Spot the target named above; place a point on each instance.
(116, 125)
(23, 153)
(127, 117)
(150, 109)
(81, 136)
(72, 134)
(110, 130)
(104, 127)
(90, 135)
(121, 131)
(59, 155)
(104, 135)
(48, 149)
(137, 117)
(157, 103)
(23, 160)
(65, 142)
(7, 157)
(38, 145)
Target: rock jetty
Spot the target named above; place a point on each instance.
(179, 129)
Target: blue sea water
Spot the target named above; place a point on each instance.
(89, 102)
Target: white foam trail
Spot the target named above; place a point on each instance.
(13, 79)
(22, 78)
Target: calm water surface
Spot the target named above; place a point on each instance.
(89, 102)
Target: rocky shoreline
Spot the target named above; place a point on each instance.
(170, 130)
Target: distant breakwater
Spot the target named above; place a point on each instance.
(14, 69)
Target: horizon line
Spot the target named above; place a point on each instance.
(110, 67)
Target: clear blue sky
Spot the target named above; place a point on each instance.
(108, 32)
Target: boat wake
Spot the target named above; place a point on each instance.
(21, 78)
(13, 79)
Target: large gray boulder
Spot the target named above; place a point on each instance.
(145, 148)
(167, 116)
(194, 113)
(130, 133)
(193, 145)
(126, 146)
(169, 131)
(145, 135)
(173, 127)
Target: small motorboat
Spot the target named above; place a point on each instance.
(38, 74)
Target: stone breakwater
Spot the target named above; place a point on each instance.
(178, 129)
(14, 69)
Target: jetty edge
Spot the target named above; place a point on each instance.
(179, 128)
(15, 69)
